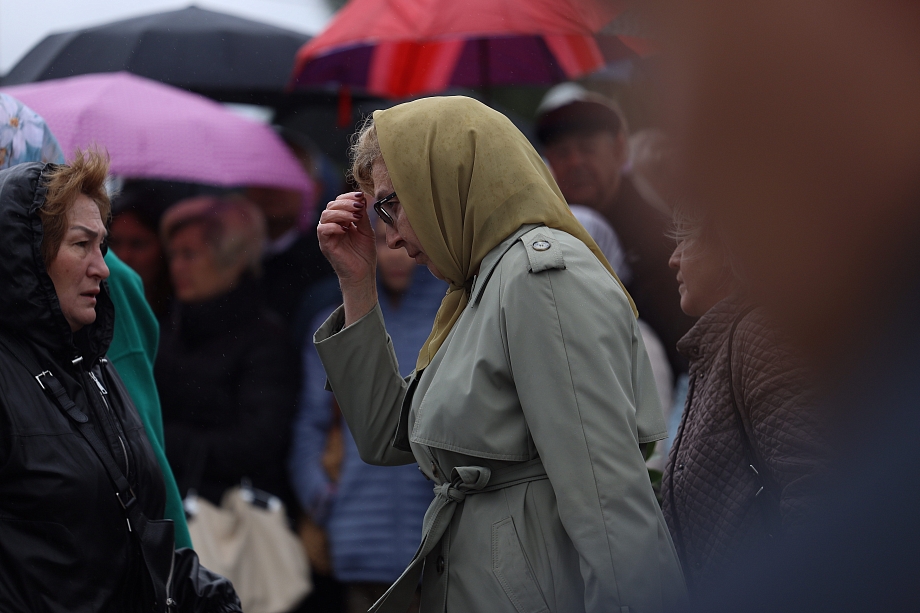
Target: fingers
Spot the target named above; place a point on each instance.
(363, 223)
(343, 217)
(344, 210)
(329, 229)
(352, 200)
(351, 196)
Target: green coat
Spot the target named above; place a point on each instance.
(528, 421)
(133, 351)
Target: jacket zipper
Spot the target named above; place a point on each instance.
(104, 393)
(170, 603)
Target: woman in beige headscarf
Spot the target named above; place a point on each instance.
(533, 395)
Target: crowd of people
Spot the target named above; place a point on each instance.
(603, 371)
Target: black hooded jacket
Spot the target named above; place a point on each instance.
(64, 541)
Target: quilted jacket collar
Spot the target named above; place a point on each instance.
(710, 331)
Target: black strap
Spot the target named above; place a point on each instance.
(768, 494)
(123, 490)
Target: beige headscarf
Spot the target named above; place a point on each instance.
(467, 179)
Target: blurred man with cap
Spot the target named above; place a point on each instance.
(585, 140)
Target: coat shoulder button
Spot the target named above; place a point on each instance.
(543, 253)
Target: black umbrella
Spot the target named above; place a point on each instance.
(192, 48)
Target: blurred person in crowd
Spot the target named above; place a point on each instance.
(802, 138)
(292, 261)
(136, 333)
(133, 351)
(585, 140)
(321, 289)
(533, 395)
(81, 493)
(226, 373)
(750, 454)
(653, 169)
(140, 289)
(328, 179)
(135, 234)
(608, 242)
(606, 238)
(372, 514)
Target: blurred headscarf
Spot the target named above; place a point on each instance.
(467, 179)
(24, 136)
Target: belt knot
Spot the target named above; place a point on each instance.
(463, 480)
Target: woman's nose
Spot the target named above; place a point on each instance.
(98, 267)
(674, 261)
(394, 240)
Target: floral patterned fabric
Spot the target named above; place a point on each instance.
(24, 135)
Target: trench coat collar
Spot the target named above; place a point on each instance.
(492, 259)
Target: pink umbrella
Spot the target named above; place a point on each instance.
(156, 131)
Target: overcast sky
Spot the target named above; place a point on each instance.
(23, 23)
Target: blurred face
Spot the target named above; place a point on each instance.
(812, 173)
(587, 166)
(281, 208)
(702, 275)
(78, 269)
(394, 265)
(138, 246)
(193, 267)
(400, 236)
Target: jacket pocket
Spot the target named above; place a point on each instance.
(510, 567)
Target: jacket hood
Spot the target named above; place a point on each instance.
(29, 306)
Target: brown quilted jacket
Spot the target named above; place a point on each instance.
(709, 488)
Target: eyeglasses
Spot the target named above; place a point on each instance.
(384, 214)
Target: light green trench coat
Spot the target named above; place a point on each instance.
(528, 421)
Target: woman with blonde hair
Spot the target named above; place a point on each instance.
(533, 395)
(748, 458)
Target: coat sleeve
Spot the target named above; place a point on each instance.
(583, 376)
(314, 489)
(787, 425)
(364, 375)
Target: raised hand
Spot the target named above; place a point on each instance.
(347, 240)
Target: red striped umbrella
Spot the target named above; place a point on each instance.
(400, 48)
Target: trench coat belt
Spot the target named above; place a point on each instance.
(464, 481)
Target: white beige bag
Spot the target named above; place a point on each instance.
(253, 547)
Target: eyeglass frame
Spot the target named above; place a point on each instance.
(384, 215)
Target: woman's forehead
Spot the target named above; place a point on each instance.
(383, 185)
(84, 212)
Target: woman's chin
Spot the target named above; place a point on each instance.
(434, 270)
